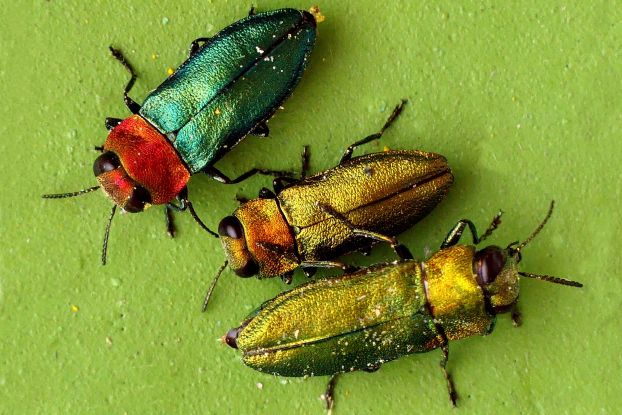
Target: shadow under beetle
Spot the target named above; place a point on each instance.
(361, 320)
(306, 223)
(228, 88)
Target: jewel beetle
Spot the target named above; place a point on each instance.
(228, 88)
(309, 222)
(360, 320)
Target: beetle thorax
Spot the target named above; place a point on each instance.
(146, 158)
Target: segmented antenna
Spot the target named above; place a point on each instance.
(538, 229)
(550, 278)
(208, 295)
(107, 234)
(70, 194)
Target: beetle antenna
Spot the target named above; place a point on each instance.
(70, 194)
(198, 220)
(552, 279)
(208, 295)
(107, 234)
(538, 229)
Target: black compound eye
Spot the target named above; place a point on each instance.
(136, 203)
(488, 264)
(248, 270)
(231, 227)
(105, 162)
(231, 338)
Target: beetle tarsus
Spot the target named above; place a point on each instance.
(329, 394)
(347, 155)
(304, 161)
(260, 130)
(197, 44)
(451, 390)
(454, 235)
(170, 221)
(517, 318)
(99, 148)
(129, 102)
(287, 278)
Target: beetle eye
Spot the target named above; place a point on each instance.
(136, 203)
(488, 263)
(231, 227)
(105, 162)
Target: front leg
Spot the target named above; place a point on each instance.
(217, 175)
(129, 102)
(454, 235)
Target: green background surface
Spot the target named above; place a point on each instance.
(523, 98)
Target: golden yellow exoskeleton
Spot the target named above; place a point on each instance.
(363, 319)
(309, 222)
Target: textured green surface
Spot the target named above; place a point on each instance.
(524, 100)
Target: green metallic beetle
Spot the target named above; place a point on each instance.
(361, 320)
(309, 222)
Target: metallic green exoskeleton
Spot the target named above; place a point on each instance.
(309, 222)
(361, 320)
(228, 88)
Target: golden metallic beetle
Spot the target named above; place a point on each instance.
(309, 222)
(361, 320)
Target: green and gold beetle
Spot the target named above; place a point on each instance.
(361, 320)
(309, 222)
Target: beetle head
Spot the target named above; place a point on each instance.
(124, 191)
(496, 271)
(233, 242)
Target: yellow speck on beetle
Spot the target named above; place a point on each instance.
(154, 56)
(315, 11)
(74, 308)
(386, 149)
(217, 111)
(170, 71)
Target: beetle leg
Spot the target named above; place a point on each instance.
(112, 122)
(195, 46)
(304, 159)
(328, 264)
(265, 193)
(260, 130)
(517, 319)
(454, 235)
(309, 272)
(169, 220)
(217, 175)
(450, 385)
(184, 203)
(347, 155)
(241, 199)
(280, 183)
(329, 393)
(400, 250)
(287, 278)
(99, 148)
(252, 11)
(129, 102)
